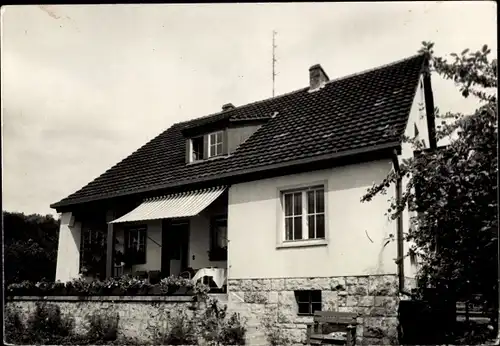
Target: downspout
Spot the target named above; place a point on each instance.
(399, 229)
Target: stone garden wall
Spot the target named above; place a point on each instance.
(375, 298)
(139, 315)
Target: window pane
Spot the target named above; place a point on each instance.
(212, 138)
(320, 201)
(316, 307)
(219, 137)
(310, 226)
(310, 202)
(289, 228)
(304, 308)
(212, 150)
(197, 144)
(320, 226)
(297, 203)
(316, 296)
(219, 148)
(297, 227)
(288, 204)
(302, 296)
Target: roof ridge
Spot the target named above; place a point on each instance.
(245, 105)
(303, 89)
(375, 68)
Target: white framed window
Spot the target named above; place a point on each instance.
(304, 214)
(215, 144)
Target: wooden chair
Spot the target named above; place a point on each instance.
(338, 323)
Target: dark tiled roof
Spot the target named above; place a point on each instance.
(364, 110)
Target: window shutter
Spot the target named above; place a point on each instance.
(205, 146)
(188, 150)
(225, 143)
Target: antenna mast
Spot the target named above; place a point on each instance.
(274, 59)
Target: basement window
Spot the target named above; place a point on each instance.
(308, 301)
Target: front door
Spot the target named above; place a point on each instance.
(175, 247)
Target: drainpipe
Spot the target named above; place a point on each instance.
(399, 228)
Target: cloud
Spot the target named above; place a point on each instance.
(82, 91)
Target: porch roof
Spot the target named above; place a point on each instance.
(178, 205)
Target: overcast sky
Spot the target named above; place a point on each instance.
(85, 86)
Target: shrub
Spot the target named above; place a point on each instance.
(233, 331)
(275, 335)
(217, 329)
(45, 325)
(14, 327)
(103, 327)
(180, 329)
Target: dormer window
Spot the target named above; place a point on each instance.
(206, 146)
(215, 144)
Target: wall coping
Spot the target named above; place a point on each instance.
(104, 298)
(313, 277)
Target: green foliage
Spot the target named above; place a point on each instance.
(103, 327)
(180, 330)
(207, 322)
(30, 247)
(124, 285)
(452, 191)
(275, 335)
(14, 326)
(46, 326)
(217, 329)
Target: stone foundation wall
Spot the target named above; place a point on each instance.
(375, 298)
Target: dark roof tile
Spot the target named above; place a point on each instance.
(362, 110)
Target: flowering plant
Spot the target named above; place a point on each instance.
(125, 285)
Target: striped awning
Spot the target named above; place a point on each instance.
(183, 204)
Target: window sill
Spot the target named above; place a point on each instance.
(302, 243)
(209, 159)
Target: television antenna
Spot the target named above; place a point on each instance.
(274, 59)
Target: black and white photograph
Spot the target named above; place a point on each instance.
(260, 174)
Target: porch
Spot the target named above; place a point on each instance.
(181, 234)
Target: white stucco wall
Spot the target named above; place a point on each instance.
(253, 218)
(68, 253)
(417, 117)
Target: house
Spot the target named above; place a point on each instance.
(270, 193)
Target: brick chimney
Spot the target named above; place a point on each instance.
(227, 106)
(317, 77)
